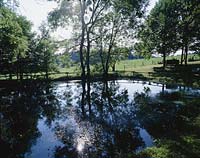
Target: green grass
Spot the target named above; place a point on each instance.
(142, 64)
(129, 65)
(139, 68)
(138, 65)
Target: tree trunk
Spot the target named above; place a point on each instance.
(17, 67)
(112, 40)
(10, 71)
(106, 69)
(186, 53)
(163, 88)
(10, 67)
(47, 75)
(185, 39)
(88, 54)
(182, 55)
(17, 72)
(113, 67)
(108, 61)
(164, 59)
(10, 76)
(82, 39)
(21, 75)
(101, 56)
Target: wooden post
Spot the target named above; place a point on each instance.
(67, 74)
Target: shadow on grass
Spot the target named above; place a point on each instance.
(130, 75)
(111, 76)
(181, 74)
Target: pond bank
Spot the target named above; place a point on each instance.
(159, 80)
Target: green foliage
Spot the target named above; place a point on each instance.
(175, 115)
(159, 34)
(46, 50)
(188, 147)
(13, 41)
(119, 53)
(20, 50)
(143, 49)
(156, 152)
(102, 22)
(171, 25)
(63, 60)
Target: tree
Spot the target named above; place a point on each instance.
(117, 25)
(63, 60)
(119, 53)
(13, 42)
(108, 32)
(171, 25)
(188, 26)
(20, 50)
(86, 15)
(22, 62)
(45, 49)
(143, 48)
(160, 31)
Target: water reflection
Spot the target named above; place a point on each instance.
(21, 108)
(99, 119)
(103, 123)
(172, 119)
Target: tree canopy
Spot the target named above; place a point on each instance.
(87, 16)
(20, 50)
(171, 25)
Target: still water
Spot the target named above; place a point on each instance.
(99, 120)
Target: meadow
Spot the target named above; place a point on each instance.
(143, 69)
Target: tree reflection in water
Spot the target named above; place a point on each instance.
(99, 119)
(103, 126)
(21, 108)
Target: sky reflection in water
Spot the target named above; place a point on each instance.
(110, 122)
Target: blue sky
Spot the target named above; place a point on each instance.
(37, 10)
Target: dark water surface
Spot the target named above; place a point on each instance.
(99, 119)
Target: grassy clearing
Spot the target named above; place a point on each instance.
(135, 65)
(151, 71)
(141, 69)
(129, 65)
(138, 65)
(147, 70)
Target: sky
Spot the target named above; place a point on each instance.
(37, 10)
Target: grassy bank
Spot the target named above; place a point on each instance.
(150, 70)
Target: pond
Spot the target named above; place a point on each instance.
(102, 119)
